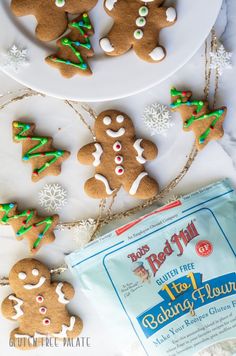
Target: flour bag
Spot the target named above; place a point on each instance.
(165, 283)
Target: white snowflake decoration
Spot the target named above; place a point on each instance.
(52, 197)
(221, 59)
(15, 58)
(157, 118)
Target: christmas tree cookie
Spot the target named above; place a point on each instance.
(74, 49)
(38, 150)
(28, 224)
(198, 117)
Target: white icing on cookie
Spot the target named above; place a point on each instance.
(117, 146)
(60, 3)
(170, 14)
(118, 133)
(119, 159)
(65, 328)
(147, 0)
(157, 54)
(135, 185)
(107, 120)
(38, 285)
(139, 150)
(17, 306)
(120, 119)
(138, 34)
(35, 272)
(109, 4)
(105, 182)
(106, 45)
(61, 295)
(97, 154)
(119, 170)
(22, 275)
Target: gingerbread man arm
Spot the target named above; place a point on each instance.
(64, 291)
(22, 8)
(146, 150)
(167, 16)
(12, 307)
(90, 154)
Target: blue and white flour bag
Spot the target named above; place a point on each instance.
(165, 283)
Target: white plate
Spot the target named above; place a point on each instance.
(113, 78)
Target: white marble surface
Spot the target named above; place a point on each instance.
(217, 161)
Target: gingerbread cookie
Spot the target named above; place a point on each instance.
(137, 25)
(74, 49)
(51, 15)
(197, 116)
(39, 306)
(118, 158)
(28, 224)
(45, 159)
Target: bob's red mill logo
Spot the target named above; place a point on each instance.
(180, 240)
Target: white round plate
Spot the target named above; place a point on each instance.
(113, 77)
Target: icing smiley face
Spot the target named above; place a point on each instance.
(113, 125)
(28, 276)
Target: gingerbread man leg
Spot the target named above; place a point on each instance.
(116, 42)
(147, 47)
(23, 341)
(141, 186)
(77, 328)
(99, 187)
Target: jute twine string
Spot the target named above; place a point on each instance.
(12, 97)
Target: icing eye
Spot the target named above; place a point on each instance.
(46, 321)
(22, 275)
(117, 146)
(35, 272)
(60, 3)
(138, 34)
(119, 170)
(118, 159)
(42, 310)
(120, 118)
(143, 11)
(107, 120)
(140, 21)
(39, 299)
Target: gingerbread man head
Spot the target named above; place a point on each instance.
(51, 15)
(28, 276)
(112, 124)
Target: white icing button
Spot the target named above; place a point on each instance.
(117, 146)
(140, 21)
(106, 45)
(171, 14)
(35, 272)
(143, 11)
(42, 310)
(119, 170)
(138, 34)
(22, 275)
(157, 54)
(107, 120)
(39, 299)
(118, 159)
(120, 118)
(46, 321)
(60, 3)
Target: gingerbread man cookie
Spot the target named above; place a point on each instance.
(39, 306)
(28, 224)
(51, 15)
(137, 24)
(197, 116)
(118, 158)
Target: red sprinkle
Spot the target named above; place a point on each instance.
(120, 170)
(184, 93)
